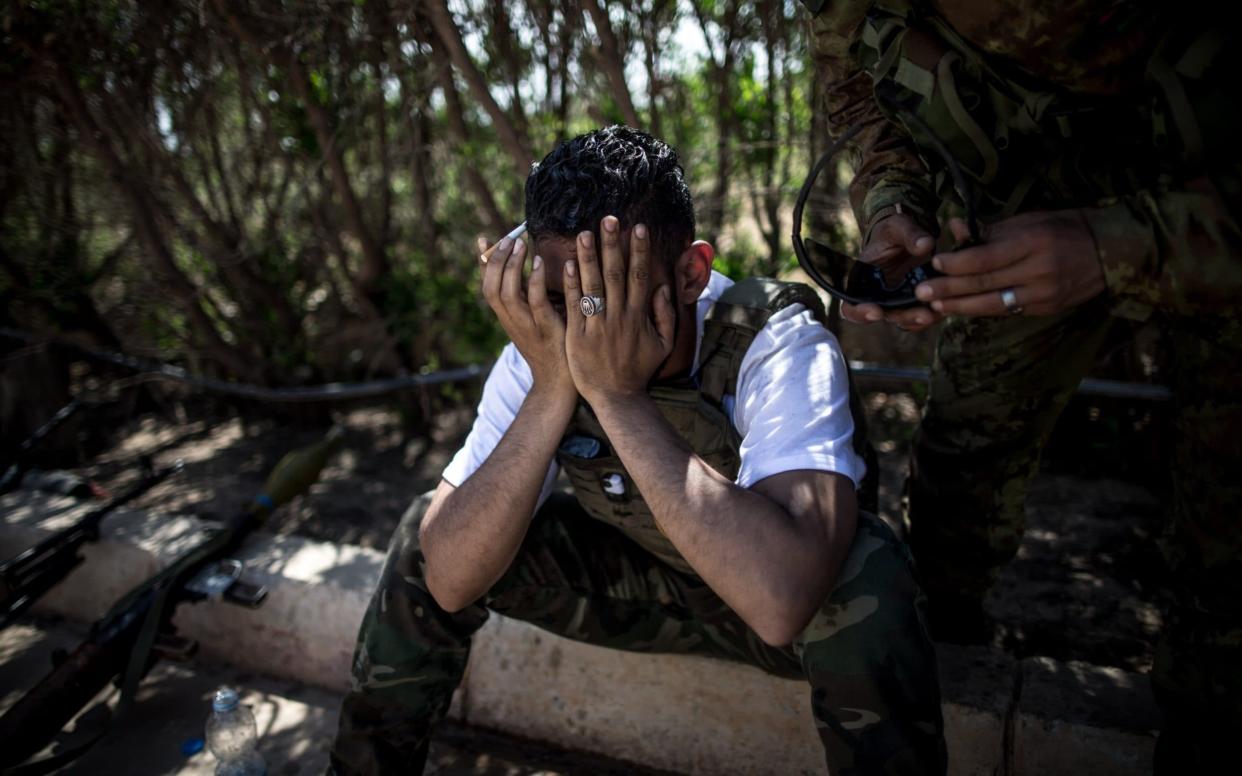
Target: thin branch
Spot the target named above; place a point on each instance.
(450, 37)
(613, 61)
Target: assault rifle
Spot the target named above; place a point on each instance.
(122, 645)
(11, 471)
(31, 573)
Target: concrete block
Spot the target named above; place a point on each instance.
(680, 713)
(307, 627)
(698, 715)
(1080, 718)
(305, 630)
(976, 685)
(676, 712)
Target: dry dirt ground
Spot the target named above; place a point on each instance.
(358, 498)
(296, 723)
(1088, 582)
(1086, 585)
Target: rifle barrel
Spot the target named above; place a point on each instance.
(119, 643)
(11, 471)
(32, 572)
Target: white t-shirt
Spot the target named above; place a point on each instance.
(792, 408)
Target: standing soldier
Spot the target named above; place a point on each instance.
(1099, 138)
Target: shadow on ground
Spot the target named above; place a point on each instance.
(296, 722)
(358, 499)
(1087, 583)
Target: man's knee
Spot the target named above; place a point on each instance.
(403, 623)
(404, 552)
(875, 607)
(876, 597)
(409, 657)
(871, 665)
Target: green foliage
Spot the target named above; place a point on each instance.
(441, 306)
(192, 158)
(742, 259)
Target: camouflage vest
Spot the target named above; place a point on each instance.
(694, 407)
(1030, 145)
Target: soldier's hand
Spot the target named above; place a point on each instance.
(1048, 259)
(897, 244)
(526, 314)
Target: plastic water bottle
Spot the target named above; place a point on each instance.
(232, 735)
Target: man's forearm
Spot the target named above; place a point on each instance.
(1174, 250)
(889, 170)
(760, 559)
(472, 533)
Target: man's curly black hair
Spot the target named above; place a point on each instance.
(612, 171)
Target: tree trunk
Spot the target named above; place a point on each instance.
(375, 265)
(819, 220)
(446, 30)
(722, 80)
(613, 62)
(511, 67)
(147, 227)
(771, 190)
(457, 125)
(650, 33)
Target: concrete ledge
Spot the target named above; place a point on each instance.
(687, 714)
(675, 712)
(1080, 718)
(305, 630)
(976, 686)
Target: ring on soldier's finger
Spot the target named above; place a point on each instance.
(1010, 299)
(591, 305)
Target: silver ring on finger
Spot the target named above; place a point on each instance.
(1009, 298)
(591, 305)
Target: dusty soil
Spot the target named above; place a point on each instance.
(358, 498)
(1086, 585)
(296, 721)
(1088, 582)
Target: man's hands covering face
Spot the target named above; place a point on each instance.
(616, 352)
(526, 314)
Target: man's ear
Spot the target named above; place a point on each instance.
(692, 272)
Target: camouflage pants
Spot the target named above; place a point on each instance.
(998, 386)
(871, 667)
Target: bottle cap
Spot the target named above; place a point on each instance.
(226, 699)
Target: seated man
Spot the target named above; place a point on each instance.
(706, 429)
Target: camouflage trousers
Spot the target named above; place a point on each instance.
(872, 670)
(998, 386)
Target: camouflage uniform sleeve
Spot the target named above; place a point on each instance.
(1178, 251)
(888, 171)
